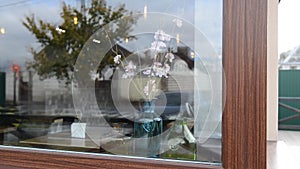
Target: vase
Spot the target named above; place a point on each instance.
(147, 131)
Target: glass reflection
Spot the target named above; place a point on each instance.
(134, 78)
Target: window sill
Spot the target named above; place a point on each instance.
(36, 158)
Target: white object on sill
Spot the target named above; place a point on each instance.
(78, 130)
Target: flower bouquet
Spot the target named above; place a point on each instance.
(143, 75)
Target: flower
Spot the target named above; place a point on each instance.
(116, 59)
(130, 67)
(167, 68)
(129, 70)
(158, 64)
(162, 36)
(170, 56)
(160, 70)
(149, 77)
(178, 22)
(147, 72)
(127, 75)
(158, 45)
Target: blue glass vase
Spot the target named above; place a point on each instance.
(147, 131)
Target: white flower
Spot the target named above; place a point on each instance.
(161, 35)
(178, 22)
(158, 69)
(157, 64)
(127, 75)
(167, 68)
(147, 72)
(130, 67)
(170, 56)
(160, 72)
(116, 59)
(157, 45)
(129, 70)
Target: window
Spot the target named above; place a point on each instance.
(57, 122)
(132, 78)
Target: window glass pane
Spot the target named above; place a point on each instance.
(133, 78)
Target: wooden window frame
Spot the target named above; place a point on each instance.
(244, 116)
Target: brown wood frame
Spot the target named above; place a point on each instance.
(245, 65)
(244, 118)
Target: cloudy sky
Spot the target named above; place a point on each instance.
(288, 25)
(16, 41)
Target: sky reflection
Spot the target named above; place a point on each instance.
(15, 43)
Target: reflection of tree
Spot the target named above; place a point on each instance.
(62, 43)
